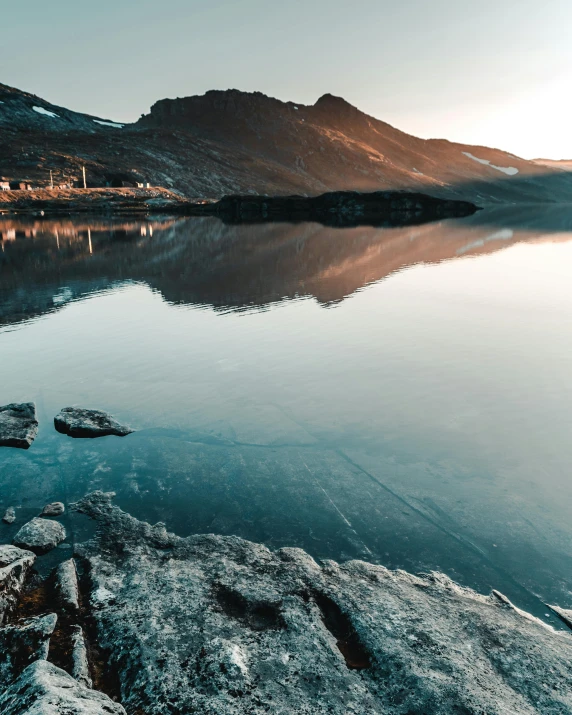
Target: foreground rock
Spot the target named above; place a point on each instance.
(44, 689)
(40, 535)
(339, 208)
(54, 509)
(15, 565)
(9, 515)
(79, 422)
(18, 425)
(215, 625)
(23, 644)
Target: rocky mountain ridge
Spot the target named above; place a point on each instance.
(245, 142)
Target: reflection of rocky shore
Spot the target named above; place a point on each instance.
(44, 264)
(216, 624)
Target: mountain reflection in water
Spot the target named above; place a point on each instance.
(422, 421)
(46, 263)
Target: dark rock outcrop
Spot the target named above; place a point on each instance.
(82, 423)
(18, 425)
(341, 209)
(221, 625)
(40, 535)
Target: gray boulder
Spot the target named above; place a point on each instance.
(54, 509)
(220, 625)
(44, 689)
(18, 425)
(15, 564)
(22, 644)
(79, 422)
(9, 515)
(40, 535)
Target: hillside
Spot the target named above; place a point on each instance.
(231, 141)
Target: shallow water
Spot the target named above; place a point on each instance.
(397, 395)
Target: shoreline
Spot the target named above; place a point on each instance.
(336, 209)
(158, 623)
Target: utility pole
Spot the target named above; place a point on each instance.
(84, 181)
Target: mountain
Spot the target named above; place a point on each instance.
(230, 141)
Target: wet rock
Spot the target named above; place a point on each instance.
(54, 509)
(564, 614)
(15, 565)
(66, 586)
(79, 422)
(18, 425)
(22, 644)
(44, 689)
(80, 664)
(221, 625)
(40, 535)
(9, 515)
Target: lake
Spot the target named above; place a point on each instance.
(399, 395)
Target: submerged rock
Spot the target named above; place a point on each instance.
(9, 515)
(22, 644)
(15, 564)
(44, 689)
(79, 422)
(220, 625)
(18, 425)
(54, 509)
(40, 535)
(66, 586)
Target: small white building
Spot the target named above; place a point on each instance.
(4, 186)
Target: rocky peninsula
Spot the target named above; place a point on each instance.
(160, 624)
(338, 209)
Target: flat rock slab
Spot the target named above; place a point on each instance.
(219, 625)
(40, 535)
(18, 425)
(44, 689)
(83, 423)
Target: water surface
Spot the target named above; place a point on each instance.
(397, 395)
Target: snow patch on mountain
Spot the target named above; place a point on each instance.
(510, 170)
(45, 112)
(109, 124)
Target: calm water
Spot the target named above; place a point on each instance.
(401, 395)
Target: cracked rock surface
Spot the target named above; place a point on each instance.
(219, 625)
(79, 422)
(40, 535)
(18, 425)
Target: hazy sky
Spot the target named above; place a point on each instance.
(494, 72)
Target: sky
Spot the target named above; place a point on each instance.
(492, 72)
